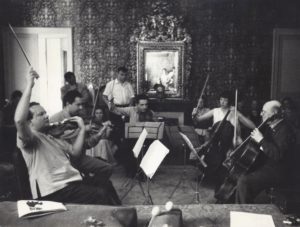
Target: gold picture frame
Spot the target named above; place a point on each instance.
(161, 63)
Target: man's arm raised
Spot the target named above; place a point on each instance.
(22, 109)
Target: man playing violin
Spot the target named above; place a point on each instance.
(52, 176)
(275, 142)
(86, 164)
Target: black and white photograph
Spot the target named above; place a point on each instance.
(150, 113)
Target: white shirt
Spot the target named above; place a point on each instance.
(219, 115)
(120, 92)
(48, 163)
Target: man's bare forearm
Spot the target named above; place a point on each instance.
(23, 106)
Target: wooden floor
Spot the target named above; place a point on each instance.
(182, 180)
(178, 178)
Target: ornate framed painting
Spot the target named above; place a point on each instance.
(161, 63)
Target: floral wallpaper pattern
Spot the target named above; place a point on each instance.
(231, 39)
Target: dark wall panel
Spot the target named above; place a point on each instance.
(232, 39)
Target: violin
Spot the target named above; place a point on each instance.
(96, 127)
(57, 129)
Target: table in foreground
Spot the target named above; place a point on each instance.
(207, 215)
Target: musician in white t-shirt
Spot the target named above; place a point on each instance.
(119, 91)
(218, 114)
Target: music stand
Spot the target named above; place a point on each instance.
(155, 130)
(183, 177)
(133, 131)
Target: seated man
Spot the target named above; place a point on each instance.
(52, 177)
(138, 113)
(72, 105)
(275, 143)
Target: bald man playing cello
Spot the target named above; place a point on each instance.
(275, 142)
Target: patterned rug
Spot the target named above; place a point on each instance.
(178, 179)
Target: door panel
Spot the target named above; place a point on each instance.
(50, 52)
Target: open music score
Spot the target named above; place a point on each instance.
(155, 130)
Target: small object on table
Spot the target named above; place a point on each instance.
(93, 222)
(169, 205)
(170, 217)
(291, 220)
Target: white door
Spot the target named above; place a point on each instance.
(49, 51)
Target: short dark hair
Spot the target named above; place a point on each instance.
(122, 69)
(141, 97)
(70, 97)
(103, 111)
(68, 75)
(227, 95)
(30, 114)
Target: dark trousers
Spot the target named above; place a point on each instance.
(250, 185)
(83, 192)
(96, 174)
(90, 166)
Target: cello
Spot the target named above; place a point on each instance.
(240, 161)
(214, 150)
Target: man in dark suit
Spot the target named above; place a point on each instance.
(275, 142)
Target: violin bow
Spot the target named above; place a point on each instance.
(95, 102)
(202, 92)
(235, 118)
(16, 38)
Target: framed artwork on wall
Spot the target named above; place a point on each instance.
(161, 63)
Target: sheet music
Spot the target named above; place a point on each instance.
(188, 142)
(191, 147)
(154, 156)
(139, 143)
(238, 219)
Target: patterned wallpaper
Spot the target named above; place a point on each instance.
(231, 39)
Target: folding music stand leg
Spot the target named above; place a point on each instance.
(133, 183)
(148, 197)
(183, 177)
(125, 184)
(129, 180)
(198, 183)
